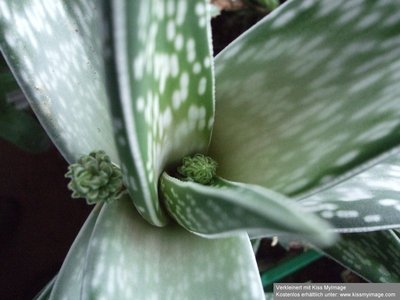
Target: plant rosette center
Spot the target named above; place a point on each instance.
(198, 168)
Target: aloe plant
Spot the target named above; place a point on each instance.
(305, 136)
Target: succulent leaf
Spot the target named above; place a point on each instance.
(374, 255)
(225, 208)
(340, 110)
(60, 70)
(368, 201)
(127, 258)
(308, 94)
(161, 85)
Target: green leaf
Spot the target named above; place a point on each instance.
(373, 255)
(17, 126)
(22, 130)
(59, 71)
(229, 207)
(369, 200)
(7, 85)
(308, 94)
(68, 282)
(130, 259)
(160, 80)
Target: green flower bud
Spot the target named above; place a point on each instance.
(198, 168)
(95, 178)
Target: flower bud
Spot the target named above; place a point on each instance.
(198, 168)
(95, 178)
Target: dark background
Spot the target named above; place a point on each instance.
(38, 219)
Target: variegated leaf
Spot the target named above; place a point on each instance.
(225, 208)
(60, 71)
(160, 59)
(368, 201)
(308, 94)
(130, 259)
(373, 255)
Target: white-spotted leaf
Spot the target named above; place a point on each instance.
(367, 201)
(373, 255)
(60, 71)
(68, 283)
(163, 109)
(225, 208)
(309, 93)
(131, 259)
